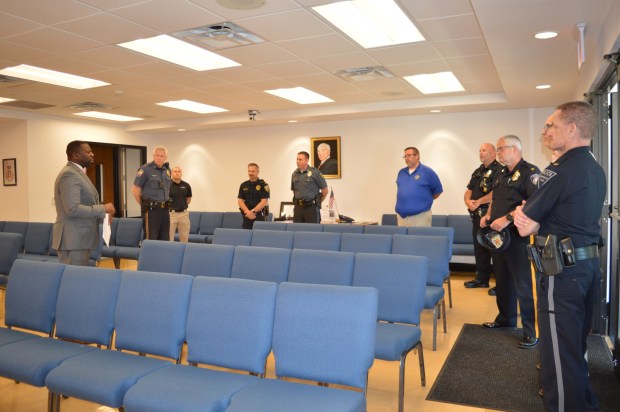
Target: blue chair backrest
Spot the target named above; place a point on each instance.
(389, 219)
(232, 237)
(194, 222)
(439, 220)
(161, 256)
(207, 260)
(128, 231)
(86, 303)
(463, 228)
(9, 248)
(306, 227)
(355, 242)
(31, 295)
(435, 248)
(400, 280)
(261, 263)
(433, 231)
(325, 333)
(17, 227)
(269, 225)
(209, 221)
(385, 230)
(343, 228)
(317, 241)
(230, 323)
(151, 312)
(321, 267)
(1, 225)
(232, 220)
(37, 238)
(272, 238)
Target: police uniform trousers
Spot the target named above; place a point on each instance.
(566, 305)
(481, 254)
(156, 223)
(306, 214)
(513, 277)
(249, 223)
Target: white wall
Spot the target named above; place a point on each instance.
(214, 162)
(14, 203)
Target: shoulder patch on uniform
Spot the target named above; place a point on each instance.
(545, 177)
(140, 172)
(533, 169)
(266, 188)
(168, 172)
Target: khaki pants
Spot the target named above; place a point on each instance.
(180, 220)
(421, 219)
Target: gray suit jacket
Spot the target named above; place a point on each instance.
(77, 211)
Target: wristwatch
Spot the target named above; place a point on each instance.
(510, 218)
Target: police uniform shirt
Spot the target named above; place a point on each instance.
(481, 182)
(307, 185)
(179, 192)
(512, 187)
(154, 181)
(569, 199)
(253, 192)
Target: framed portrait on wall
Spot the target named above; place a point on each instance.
(325, 156)
(286, 210)
(9, 172)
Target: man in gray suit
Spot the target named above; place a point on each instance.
(78, 212)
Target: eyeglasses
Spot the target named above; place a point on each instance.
(548, 126)
(501, 148)
(410, 155)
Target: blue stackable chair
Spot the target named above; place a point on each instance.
(161, 256)
(355, 242)
(150, 317)
(435, 249)
(17, 227)
(209, 221)
(232, 220)
(401, 282)
(9, 250)
(272, 238)
(208, 260)
(321, 333)
(343, 228)
(36, 242)
(385, 230)
(389, 219)
(306, 227)
(261, 263)
(230, 325)
(232, 237)
(269, 225)
(317, 241)
(321, 267)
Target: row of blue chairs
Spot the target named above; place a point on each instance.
(203, 224)
(322, 333)
(298, 265)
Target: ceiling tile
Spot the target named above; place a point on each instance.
(326, 45)
(55, 41)
(450, 28)
(295, 24)
(13, 25)
(288, 69)
(421, 10)
(462, 47)
(107, 28)
(48, 12)
(256, 54)
(407, 53)
(344, 61)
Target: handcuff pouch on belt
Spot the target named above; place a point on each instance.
(551, 255)
(151, 204)
(480, 212)
(305, 203)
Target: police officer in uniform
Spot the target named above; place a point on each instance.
(513, 275)
(477, 199)
(253, 198)
(180, 198)
(151, 189)
(309, 190)
(567, 204)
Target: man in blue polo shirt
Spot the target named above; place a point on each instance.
(418, 186)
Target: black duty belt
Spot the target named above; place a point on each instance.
(178, 210)
(302, 202)
(156, 205)
(587, 252)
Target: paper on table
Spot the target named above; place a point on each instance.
(107, 229)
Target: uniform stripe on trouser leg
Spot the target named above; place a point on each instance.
(534, 292)
(554, 342)
(146, 225)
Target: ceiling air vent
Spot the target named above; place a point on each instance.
(362, 74)
(218, 36)
(90, 106)
(23, 104)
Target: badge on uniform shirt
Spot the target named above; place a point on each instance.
(516, 176)
(257, 187)
(417, 177)
(168, 172)
(309, 173)
(488, 173)
(140, 172)
(266, 188)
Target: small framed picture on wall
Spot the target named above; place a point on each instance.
(325, 156)
(9, 172)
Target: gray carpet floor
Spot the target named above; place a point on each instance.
(486, 369)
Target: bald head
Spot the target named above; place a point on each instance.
(487, 154)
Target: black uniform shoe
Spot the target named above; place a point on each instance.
(492, 291)
(528, 342)
(475, 283)
(493, 325)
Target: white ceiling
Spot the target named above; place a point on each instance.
(488, 44)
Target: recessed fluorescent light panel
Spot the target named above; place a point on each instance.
(191, 106)
(443, 82)
(544, 35)
(175, 51)
(543, 86)
(300, 95)
(5, 99)
(108, 116)
(37, 74)
(371, 23)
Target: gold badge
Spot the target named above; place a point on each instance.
(417, 177)
(168, 172)
(309, 174)
(140, 172)
(516, 176)
(484, 189)
(257, 187)
(266, 188)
